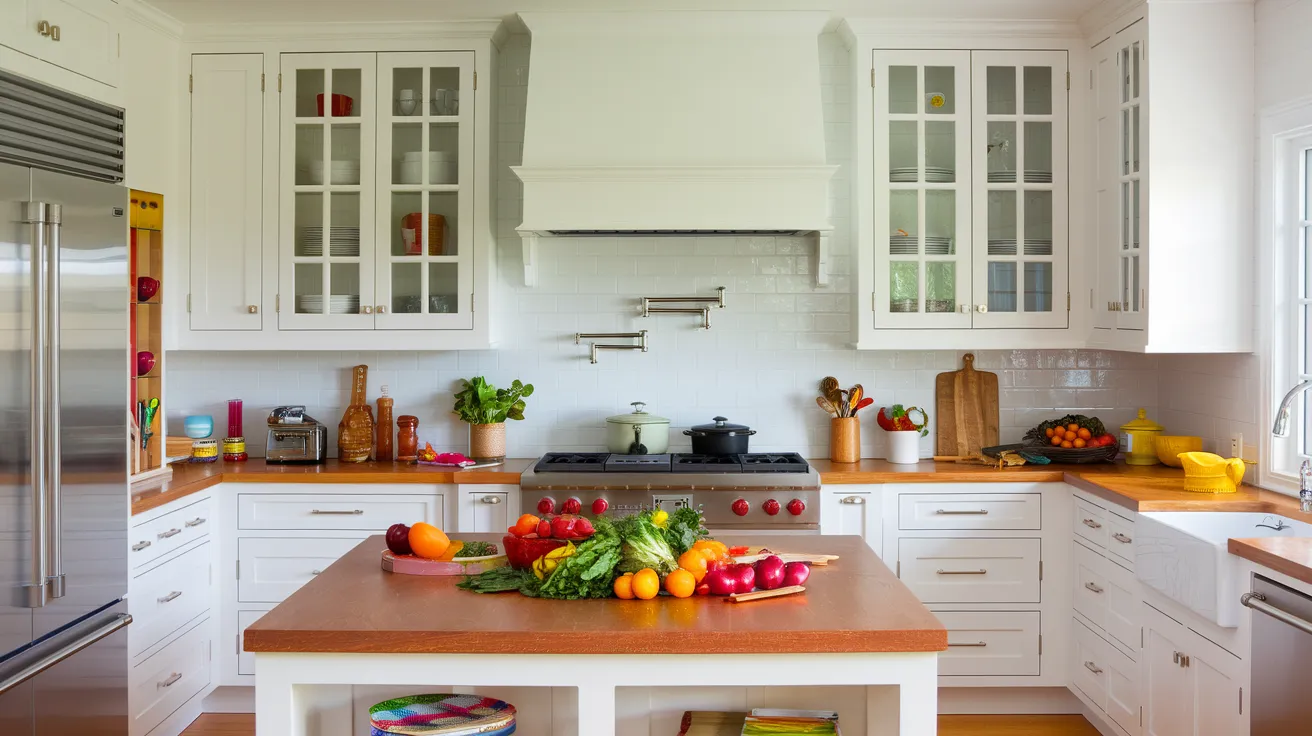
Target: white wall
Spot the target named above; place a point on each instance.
(1284, 53)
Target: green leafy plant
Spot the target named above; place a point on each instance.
(479, 402)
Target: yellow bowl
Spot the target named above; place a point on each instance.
(1169, 446)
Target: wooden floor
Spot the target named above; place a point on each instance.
(243, 724)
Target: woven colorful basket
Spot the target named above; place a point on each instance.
(442, 715)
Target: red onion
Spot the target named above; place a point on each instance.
(744, 577)
(796, 573)
(720, 582)
(769, 572)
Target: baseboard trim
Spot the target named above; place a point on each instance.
(230, 699)
(1007, 701)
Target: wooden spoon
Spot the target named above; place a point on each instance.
(829, 388)
(854, 398)
(827, 405)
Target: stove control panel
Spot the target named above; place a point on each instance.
(547, 505)
(770, 507)
(599, 506)
(796, 507)
(572, 505)
(740, 507)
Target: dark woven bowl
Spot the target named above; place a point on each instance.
(1075, 456)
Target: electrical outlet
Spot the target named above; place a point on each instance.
(1237, 445)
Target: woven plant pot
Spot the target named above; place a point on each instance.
(487, 441)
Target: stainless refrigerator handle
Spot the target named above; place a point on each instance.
(35, 590)
(64, 652)
(54, 454)
(1257, 602)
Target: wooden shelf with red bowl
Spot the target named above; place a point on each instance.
(146, 316)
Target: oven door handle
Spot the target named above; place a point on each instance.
(1257, 602)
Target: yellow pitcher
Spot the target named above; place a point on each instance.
(1208, 473)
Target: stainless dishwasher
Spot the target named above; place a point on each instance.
(1281, 659)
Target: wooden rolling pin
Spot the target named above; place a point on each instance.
(757, 595)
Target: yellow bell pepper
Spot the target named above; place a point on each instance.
(546, 564)
(660, 518)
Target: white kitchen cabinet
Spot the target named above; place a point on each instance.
(269, 569)
(81, 36)
(991, 643)
(227, 203)
(852, 510)
(1191, 686)
(1169, 246)
(364, 512)
(950, 570)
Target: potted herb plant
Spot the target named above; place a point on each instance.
(486, 408)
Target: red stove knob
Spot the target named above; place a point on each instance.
(740, 507)
(770, 507)
(547, 505)
(796, 507)
(572, 506)
(599, 506)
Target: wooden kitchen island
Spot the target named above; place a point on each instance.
(857, 642)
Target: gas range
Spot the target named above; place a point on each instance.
(751, 491)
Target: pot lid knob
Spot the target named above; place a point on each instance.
(639, 407)
(719, 421)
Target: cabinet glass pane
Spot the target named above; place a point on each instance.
(307, 223)
(941, 286)
(1038, 287)
(904, 286)
(1134, 283)
(344, 225)
(1002, 287)
(1134, 73)
(941, 151)
(1038, 153)
(347, 101)
(1126, 138)
(407, 224)
(1126, 214)
(344, 152)
(904, 220)
(940, 221)
(1001, 152)
(407, 288)
(940, 90)
(1038, 90)
(443, 147)
(443, 288)
(903, 147)
(1002, 223)
(443, 210)
(1125, 70)
(408, 92)
(1134, 222)
(1001, 90)
(902, 90)
(309, 86)
(344, 288)
(1038, 223)
(407, 153)
(1134, 130)
(444, 91)
(1125, 282)
(309, 155)
(309, 288)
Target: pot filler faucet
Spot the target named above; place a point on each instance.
(1281, 429)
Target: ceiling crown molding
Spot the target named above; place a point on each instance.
(152, 17)
(391, 31)
(958, 28)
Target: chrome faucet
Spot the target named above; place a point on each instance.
(1279, 526)
(1281, 427)
(1305, 487)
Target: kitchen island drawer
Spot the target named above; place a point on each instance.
(154, 538)
(1120, 539)
(974, 570)
(333, 512)
(169, 678)
(1090, 523)
(990, 643)
(986, 511)
(165, 598)
(269, 570)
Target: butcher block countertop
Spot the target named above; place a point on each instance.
(855, 604)
(1289, 555)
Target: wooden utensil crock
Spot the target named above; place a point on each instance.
(844, 439)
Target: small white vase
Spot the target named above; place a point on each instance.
(903, 447)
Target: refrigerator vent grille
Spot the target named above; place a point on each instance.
(47, 128)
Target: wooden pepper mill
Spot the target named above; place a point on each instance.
(383, 451)
(355, 433)
(407, 438)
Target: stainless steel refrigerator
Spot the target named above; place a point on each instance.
(63, 417)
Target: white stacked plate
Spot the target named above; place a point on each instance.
(940, 175)
(937, 245)
(337, 304)
(1002, 246)
(441, 167)
(1038, 247)
(343, 242)
(903, 245)
(933, 174)
(343, 172)
(1031, 177)
(903, 306)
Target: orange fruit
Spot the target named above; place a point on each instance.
(1067, 443)
(694, 561)
(646, 584)
(718, 547)
(680, 583)
(1056, 441)
(1072, 427)
(1070, 436)
(1049, 432)
(624, 586)
(1079, 442)
(428, 541)
(1083, 433)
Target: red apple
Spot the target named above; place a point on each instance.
(398, 539)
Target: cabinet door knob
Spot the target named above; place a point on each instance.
(853, 500)
(491, 499)
(1093, 587)
(380, 309)
(963, 308)
(252, 309)
(982, 308)
(366, 310)
(54, 33)
(43, 27)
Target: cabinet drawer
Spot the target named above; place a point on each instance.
(1120, 539)
(941, 570)
(1122, 622)
(269, 570)
(1090, 523)
(334, 512)
(990, 643)
(1107, 677)
(166, 597)
(1107, 595)
(169, 678)
(1090, 596)
(150, 540)
(245, 659)
(1090, 667)
(982, 511)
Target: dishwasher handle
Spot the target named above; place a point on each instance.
(1257, 602)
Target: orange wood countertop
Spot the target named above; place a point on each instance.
(1289, 555)
(856, 604)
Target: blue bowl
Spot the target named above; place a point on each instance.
(198, 427)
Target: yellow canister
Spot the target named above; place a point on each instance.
(204, 451)
(1138, 440)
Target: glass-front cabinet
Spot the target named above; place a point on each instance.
(970, 189)
(376, 175)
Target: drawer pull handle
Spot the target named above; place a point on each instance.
(1092, 524)
(853, 500)
(194, 522)
(140, 545)
(316, 572)
(355, 512)
(980, 571)
(491, 499)
(1093, 587)
(170, 679)
(969, 644)
(1121, 538)
(967, 512)
(1090, 666)
(170, 533)
(170, 596)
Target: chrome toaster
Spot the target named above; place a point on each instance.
(295, 437)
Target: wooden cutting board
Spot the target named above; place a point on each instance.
(966, 414)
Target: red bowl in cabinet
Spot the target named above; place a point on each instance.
(341, 106)
(145, 362)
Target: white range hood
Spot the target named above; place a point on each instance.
(688, 123)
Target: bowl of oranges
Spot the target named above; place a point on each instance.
(1075, 438)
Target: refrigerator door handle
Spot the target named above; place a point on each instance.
(35, 597)
(53, 428)
(28, 670)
